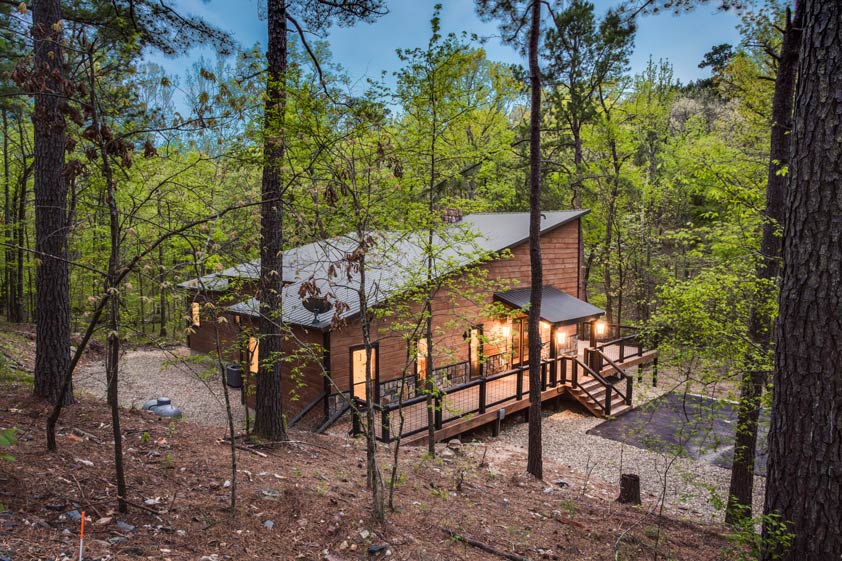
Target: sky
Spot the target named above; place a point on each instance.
(366, 50)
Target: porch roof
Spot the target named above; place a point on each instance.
(556, 306)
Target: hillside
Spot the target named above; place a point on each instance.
(304, 500)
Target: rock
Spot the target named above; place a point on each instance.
(364, 534)
(103, 521)
(271, 494)
(353, 547)
(85, 462)
(548, 490)
(455, 444)
(269, 524)
(75, 515)
(125, 527)
(447, 453)
(226, 484)
(344, 545)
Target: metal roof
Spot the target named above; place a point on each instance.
(556, 306)
(396, 262)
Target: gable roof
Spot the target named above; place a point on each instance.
(395, 264)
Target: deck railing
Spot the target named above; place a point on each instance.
(481, 395)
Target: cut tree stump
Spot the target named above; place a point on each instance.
(629, 489)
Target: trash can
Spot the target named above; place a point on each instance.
(234, 375)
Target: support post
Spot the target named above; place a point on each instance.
(608, 396)
(483, 394)
(655, 373)
(439, 417)
(520, 383)
(385, 426)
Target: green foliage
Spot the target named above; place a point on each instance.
(8, 438)
(747, 544)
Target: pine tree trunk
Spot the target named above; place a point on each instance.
(52, 340)
(6, 304)
(804, 484)
(269, 419)
(535, 461)
(760, 324)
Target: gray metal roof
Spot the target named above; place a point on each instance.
(395, 263)
(556, 306)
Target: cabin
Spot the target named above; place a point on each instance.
(479, 279)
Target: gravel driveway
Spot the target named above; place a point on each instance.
(190, 380)
(689, 483)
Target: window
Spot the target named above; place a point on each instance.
(475, 351)
(359, 369)
(520, 341)
(196, 315)
(421, 357)
(253, 355)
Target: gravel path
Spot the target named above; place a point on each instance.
(190, 380)
(689, 483)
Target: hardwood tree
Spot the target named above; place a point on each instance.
(803, 485)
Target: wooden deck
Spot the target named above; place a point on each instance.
(596, 377)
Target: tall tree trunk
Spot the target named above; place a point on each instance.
(6, 304)
(760, 324)
(16, 311)
(804, 484)
(52, 335)
(535, 460)
(162, 295)
(269, 420)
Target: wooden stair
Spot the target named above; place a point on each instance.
(596, 400)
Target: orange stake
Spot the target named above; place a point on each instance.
(82, 536)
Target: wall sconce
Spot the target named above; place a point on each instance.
(506, 330)
(599, 328)
(561, 338)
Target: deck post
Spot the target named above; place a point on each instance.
(385, 426)
(629, 390)
(356, 425)
(483, 389)
(544, 376)
(608, 389)
(554, 372)
(439, 420)
(622, 350)
(655, 373)
(520, 383)
(563, 367)
(575, 373)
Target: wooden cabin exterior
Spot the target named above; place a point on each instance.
(472, 344)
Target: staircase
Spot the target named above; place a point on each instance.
(591, 393)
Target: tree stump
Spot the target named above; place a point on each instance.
(629, 489)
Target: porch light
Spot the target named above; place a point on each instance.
(599, 328)
(506, 330)
(561, 337)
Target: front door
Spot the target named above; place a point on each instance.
(359, 370)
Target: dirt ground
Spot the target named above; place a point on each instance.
(305, 499)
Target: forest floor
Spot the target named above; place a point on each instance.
(305, 499)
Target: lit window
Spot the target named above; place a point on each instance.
(196, 314)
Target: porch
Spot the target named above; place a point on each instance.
(594, 374)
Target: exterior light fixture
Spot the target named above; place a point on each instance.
(506, 330)
(561, 338)
(599, 328)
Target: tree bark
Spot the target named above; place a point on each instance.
(804, 483)
(52, 334)
(535, 461)
(269, 420)
(760, 325)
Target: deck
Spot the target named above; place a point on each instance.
(597, 380)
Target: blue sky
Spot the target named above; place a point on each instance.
(367, 49)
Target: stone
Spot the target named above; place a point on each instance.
(454, 444)
(364, 534)
(269, 524)
(447, 453)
